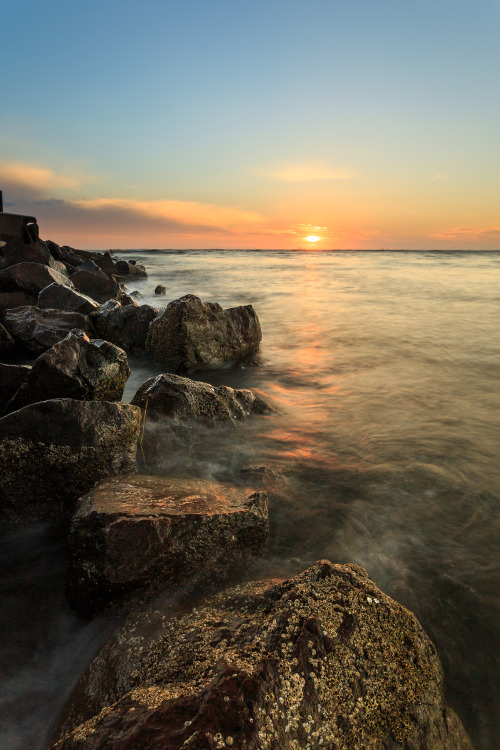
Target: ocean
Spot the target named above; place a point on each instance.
(382, 450)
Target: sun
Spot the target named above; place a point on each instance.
(312, 238)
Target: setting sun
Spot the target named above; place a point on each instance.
(313, 238)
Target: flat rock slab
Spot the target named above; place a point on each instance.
(143, 531)
(52, 452)
(321, 660)
(76, 367)
(191, 335)
(37, 330)
(180, 398)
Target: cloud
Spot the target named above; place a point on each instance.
(187, 213)
(306, 173)
(24, 181)
(468, 233)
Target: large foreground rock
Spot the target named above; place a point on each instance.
(58, 297)
(322, 660)
(6, 341)
(192, 335)
(16, 251)
(52, 452)
(124, 326)
(37, 330)
(11, 378)
(143, 531)
(76, 367)
(30, 278)
(181, 398)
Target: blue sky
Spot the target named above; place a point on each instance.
(234, 124)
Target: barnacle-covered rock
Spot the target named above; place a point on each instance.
(322, 660)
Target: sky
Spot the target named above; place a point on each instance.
(237, 124)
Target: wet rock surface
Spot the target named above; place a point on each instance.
(181, 398)
(76, 367)
(324, 659)
(124, 326)
(59, 297)
(190, 335)
(52, 452)
(37, 330)
(144, 531)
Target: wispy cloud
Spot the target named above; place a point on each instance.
(309, 172)
(468, 233)
(26, 180)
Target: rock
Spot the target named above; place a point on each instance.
(124, 326)
(11, 378)
(89, 265)
(6, 340)
(76, 367)
(182, 398)
(16, 251)
(147, 531)
(52, 452)
(123, 268)
(136, 294)
(321, 660)
(97, 286)
(30, 278)
(38, 330)
(127, 299)
(191, 335)
(9, 300)
(160, 289)
(107, 264)
(59, 297)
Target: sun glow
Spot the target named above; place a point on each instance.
(312, 238)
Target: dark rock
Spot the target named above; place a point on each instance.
(182, 398)
(30, 278)
(97, 286)
(160, 289)
(127, 299)
(9, 300)
(53, 452)
(76, 367)
(136, 294)
(124, 326)
(322, 660)
(6, 340)
(38, 330)
(146, 531)
(11, 378)
(191, 335)
(16, 251)
(107, 264)
(89, 265)
(59, 297)
(123, 268)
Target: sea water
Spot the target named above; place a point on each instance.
(382, 450)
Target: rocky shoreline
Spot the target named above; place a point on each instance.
(322, 660)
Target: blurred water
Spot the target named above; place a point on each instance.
(383, 369)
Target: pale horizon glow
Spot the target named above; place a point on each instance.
(264, 126)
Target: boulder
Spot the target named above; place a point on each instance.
(89, 265)
(75, 367)
(59, 297)
(189, 334)
(107, 264)
(321, 660)
(181, 398)
(11, 378)
(98, 286)
(16, 251)
(161, 289)
(123, 268)
(9, 300)
(38, 330)
(52, 452)
(124, 326)
(148, 531)
(127, 299)
(6, 340)
(30, 278)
